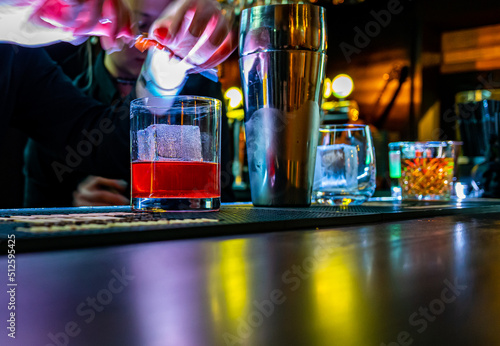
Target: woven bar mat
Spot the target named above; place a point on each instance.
(62, 228)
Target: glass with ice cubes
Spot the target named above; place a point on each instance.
(345, 165)
(175, 153)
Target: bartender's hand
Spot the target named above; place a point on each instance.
(198, 30)
(99, 191)
(200, 35)
(41, 22)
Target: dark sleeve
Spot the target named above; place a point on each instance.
(43, 186)
(84, 134)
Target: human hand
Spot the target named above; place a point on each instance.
(199, 31)
(41, 22)
(99, 191)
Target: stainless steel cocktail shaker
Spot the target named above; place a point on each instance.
(282, 64)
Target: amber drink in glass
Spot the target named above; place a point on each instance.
(427, 170)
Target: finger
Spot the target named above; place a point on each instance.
(104, 197)
(161, 34)
(200, 20)
(86, 183)
(58, 13)
(90, 18)
(196, 49)
(167, 25)
(203, 49)
(78, 201)
(220, 32)
(114, 24)
(82, 202)
(123, 25)
(89, 184)
(179, 41)
(94, 19)
(180, 13)
(118, 185)
(223, 52)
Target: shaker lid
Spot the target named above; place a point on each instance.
(283, 27)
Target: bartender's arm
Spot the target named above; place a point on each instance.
(42, 22)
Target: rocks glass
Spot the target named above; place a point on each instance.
(175, 153)
(427, 170)
(345, 165)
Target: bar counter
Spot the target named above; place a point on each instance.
(383, 275)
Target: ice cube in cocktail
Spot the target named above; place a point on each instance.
(345, 165)
(162, 142)
(336, 168)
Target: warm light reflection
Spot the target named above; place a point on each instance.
(328, 105)
(342, 86)
(336, 306)
(238, 114)
(327, 88)
(229, 276)
(354, 114)
(373, 93)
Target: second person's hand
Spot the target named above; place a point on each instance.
(99, 191)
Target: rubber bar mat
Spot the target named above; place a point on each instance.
(63, 228)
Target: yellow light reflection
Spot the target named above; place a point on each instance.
(228, 281)
(337, 308)
(327, 89)
(264, 89)
(342, 86)
(354, 114)
(238, 114)
(328, 105)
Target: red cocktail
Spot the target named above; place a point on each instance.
(175, 153)
(175, 179)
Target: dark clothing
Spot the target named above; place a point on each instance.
(12, 143)
(38, 99)
(43, 186)
(45, 189)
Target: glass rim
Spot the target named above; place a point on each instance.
(341, 127)
(423, 143)
(143, 101)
